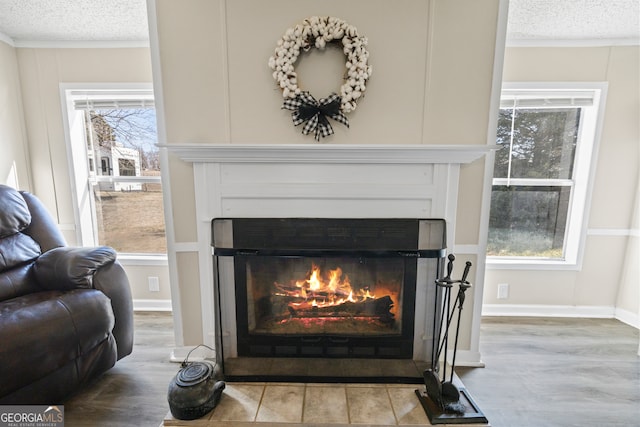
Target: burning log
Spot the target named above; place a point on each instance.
(378, 308)
(295, 291)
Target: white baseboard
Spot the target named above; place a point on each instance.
(468, 358)
(540, 310)
(152, 305)
(628, 317)
(179, 354)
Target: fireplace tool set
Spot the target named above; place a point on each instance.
(444, 402)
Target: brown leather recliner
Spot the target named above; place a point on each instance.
(66, 314)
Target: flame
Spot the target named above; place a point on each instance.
(350, 297)
(366, 295)
(318, 291)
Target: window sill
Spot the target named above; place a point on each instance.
(531, 264)
(143, 259)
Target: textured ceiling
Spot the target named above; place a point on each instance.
(24, 21)
(574, 20)
(74, 20)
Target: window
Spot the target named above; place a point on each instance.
(119, 204)
(127, 167)
(546, 138)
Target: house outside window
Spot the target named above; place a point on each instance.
(547, 136)
(127, 167)
(119, 204)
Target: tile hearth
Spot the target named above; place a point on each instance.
(313, 405)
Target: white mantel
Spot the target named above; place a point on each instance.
(324, 153)
(319, 180)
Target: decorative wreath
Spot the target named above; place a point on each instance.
(318, 31)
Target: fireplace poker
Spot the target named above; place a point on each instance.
(450, 392)
(447, 283)
(431, 376)
(464, 285)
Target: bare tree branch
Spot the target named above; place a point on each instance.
(132, 127)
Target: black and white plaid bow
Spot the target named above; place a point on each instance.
(306, 109)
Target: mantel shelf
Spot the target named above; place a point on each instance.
(324, 153)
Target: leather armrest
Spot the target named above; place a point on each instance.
(69, 268)
(113, 282)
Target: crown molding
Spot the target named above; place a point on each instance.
(6, 39)
(80, 44)
(605, 42)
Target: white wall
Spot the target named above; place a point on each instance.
(433, 70)
(607, 284)
(14, 162)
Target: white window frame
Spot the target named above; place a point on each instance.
(75, 137)
(583, 175)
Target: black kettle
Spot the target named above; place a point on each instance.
(194, 391)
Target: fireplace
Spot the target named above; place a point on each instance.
(313, 181)
(319, 299)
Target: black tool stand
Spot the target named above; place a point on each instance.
(443, 401)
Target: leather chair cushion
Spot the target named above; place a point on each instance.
(43, 229)
(14, 215)
(44, 331)
(17, 281)
(17, 249)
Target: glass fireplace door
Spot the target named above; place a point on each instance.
(324, 306)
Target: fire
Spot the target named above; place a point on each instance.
(323, 291)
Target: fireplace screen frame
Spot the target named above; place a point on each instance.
(413, 242)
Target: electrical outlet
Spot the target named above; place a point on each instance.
(154, 284)
(503, 290)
